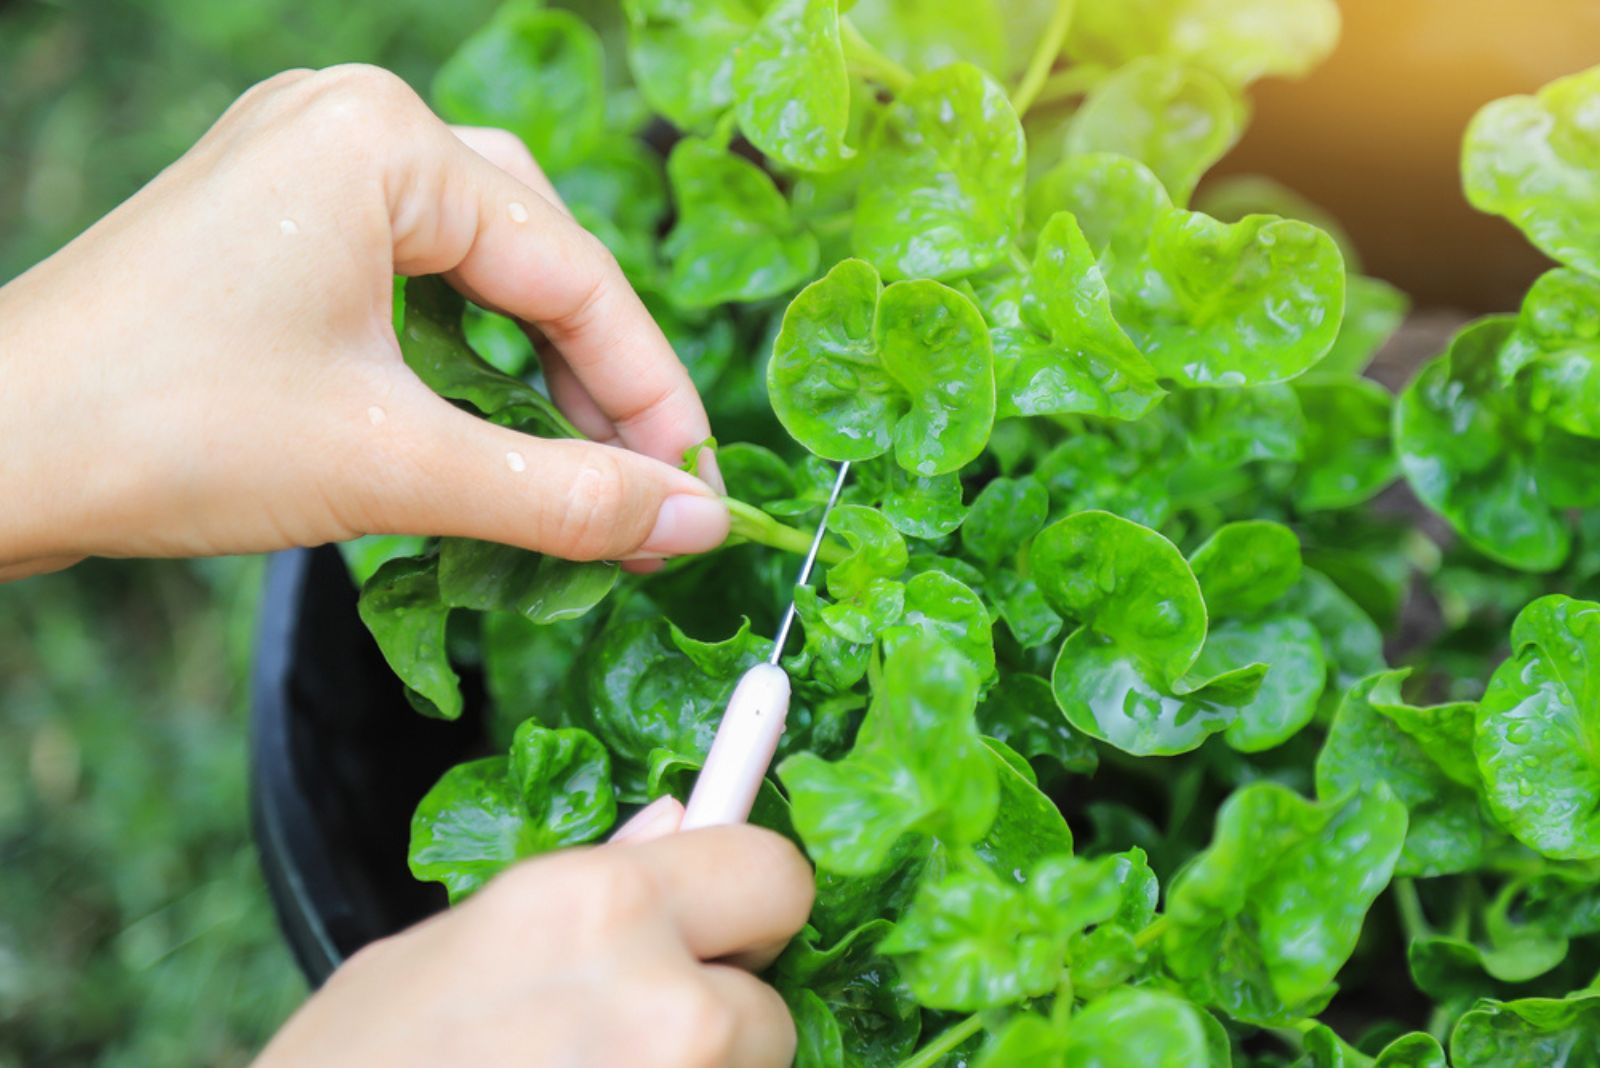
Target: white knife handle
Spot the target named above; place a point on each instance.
(742, 750)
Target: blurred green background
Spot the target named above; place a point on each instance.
(134, 925)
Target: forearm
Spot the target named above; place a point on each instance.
(37, 483)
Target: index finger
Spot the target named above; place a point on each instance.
(729, 891)
(510, 247)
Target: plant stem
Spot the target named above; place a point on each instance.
(1155, 930)
(1412, 919)
(948, 1039)
(863, 54)
(1066, 84)
(750, 523)
(1044, 57)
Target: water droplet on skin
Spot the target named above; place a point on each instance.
(289, 227)
(515, 461)
(518, 211)
(376, 415)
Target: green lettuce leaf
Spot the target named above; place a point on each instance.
(1177, 120)
(552, 790)
(941, 195)
(736, 238)
(1123, 675)
(538, 73)
(1238, 40)
(1244, 934)
(792, 88)
(401, 607)
(1536, 161)
(859, 368)
(918, 765)
(1444, 832)
(1538, 730)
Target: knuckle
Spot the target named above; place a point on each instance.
(597, 275)
(697, 1027)
(609, 894)
(273, 86)
(588, 521)
(358, 99)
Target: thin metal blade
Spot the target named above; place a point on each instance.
(811, 559)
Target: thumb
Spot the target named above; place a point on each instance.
(461, 476)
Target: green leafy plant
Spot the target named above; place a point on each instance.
(1095, 744)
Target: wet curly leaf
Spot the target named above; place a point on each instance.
(1529, 1031)
(538, 73)
(1116, 201)
(1325, 1049)
(975, 939)
(1288, 695)
(1234, 304)
(921, 507)
(859, 368)
(1555, 350)
(1065, 353)
(1538, 730)
(876, 550)
(735, 238)
(681, 53)
(942, 607)
(1444, 832)
(1474, 454)
(434, 345)
(1027, 825)
(1005, 515)
(941, 195)
(1247, 566)
(926, 37)
(552, 790)
(487, 577)
(876, 1020)
(1245, 935)
(1347, 456)
(1536, 161)
(1020, 710)
(1177, 120)
(918, 765)
(1126, 1027)
(644, 686)
(1238, 40)
(792, 88)
(1123, 676)
(1373, 311)
(401, 607)
(1244, 569)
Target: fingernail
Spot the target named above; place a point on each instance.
(687, 523)
(656, 820)
(710, 473)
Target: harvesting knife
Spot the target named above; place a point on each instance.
(748, 735)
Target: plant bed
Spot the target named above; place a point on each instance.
(1097, 744)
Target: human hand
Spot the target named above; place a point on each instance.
(212, 367)
(602, 957)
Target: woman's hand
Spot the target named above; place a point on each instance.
(212, 367)
(603, 957)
